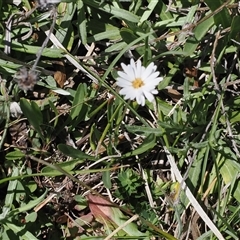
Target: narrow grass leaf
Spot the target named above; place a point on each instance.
(20, 231)
(149, 10)
(148, 143)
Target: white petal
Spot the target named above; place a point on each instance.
(128, 70)
(132, 63)
(153, 82)
(15, 110)
(124, 84)
(140, 100)
(123, 75)
(154, 91)
(149, 96)
(124, 67)
(128, 93)
(138, 69)
(148, 71)
(153, 75)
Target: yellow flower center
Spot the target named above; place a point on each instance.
(137, 83)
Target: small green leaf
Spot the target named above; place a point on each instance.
(149, 10)
(32, 217)
(32, 186)
(148, 144)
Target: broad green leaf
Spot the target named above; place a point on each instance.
(30, 205)
(47, 52)
(229, 173)
(111, 33)
(51, 84)
(234, 116)
(236, 192)
(116, 47)
(9, 198)
(74, 153)
(107, 179)
(116, 12)
(53, 173)
(161, 9)
(222, 18)
(32, 186)
(15, 155)
(199, 32)
(82, 22)
(195, 170)
(65, 32)
(33, 114)
(164, 107)
(166, 81)
(144, 130)
(234, 32)
(78, 101)
(67, 166)
(11, 188)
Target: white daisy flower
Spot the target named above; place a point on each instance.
(138, 82)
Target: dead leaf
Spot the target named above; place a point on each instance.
(60, 73)
(100, 208)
